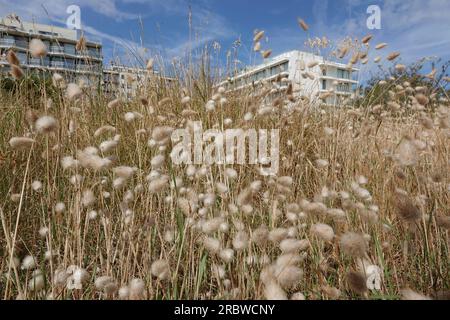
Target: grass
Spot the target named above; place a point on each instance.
(128, 228)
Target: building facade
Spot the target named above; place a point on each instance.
(123, 81)
(309, 75)
(130, 82)
(62, 57)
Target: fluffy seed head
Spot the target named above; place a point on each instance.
(406, 209)
(124, 293)
(12, 59)
(303, 24)
(102, 281)
(260, 235)
(46, 124)
(293, 245)
(88, 198)
(36, 185)
(18, 143)
(381, 46)
(322, 231)
(160, 269)
(392, 56)
(353, 244)
(258, 36)
(288, 277)
(409, 294)
(16, 72)
(356, 282)
(113, 104)
(37, 48)
(60, 207)
(240, 241)
(73, 91)
(29, 262)
(266, 53)
(367, 39)
(57, 79)
(226, 255)
(321, 163)
(278, 234)
(37, 282)
(81, 44)
(273, 291)
(136, 289)
(211, 244)
(157, 161)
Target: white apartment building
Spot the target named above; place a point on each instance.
(62, 56)
(128, 82)
(123, 81)
(310, 75)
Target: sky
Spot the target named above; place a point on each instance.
(146, 28)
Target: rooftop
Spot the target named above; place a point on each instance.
(285, 57)
(43, 31)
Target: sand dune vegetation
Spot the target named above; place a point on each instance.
(92, 206)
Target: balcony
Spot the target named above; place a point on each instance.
(88, 68)
(114, 80)
(62, 65)
(89, 55)
(57, 64)
(7, 42)
(56, 49)
(69, 50)
(23, 44)
(38, 62)
(336, 78)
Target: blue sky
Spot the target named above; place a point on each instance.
(417, 28)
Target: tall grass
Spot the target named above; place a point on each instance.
(358, 189)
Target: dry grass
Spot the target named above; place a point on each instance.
(366, 188)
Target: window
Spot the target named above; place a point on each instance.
(69, 48)
(324, 84)
(343, 87)
(57, 62)
(260, 75)
(273, 71)
(70, 64)
(48, 33)
(343, 74)
(93, 52)
(21, 42)
(22, 57)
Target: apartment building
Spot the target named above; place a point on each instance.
(62, 57)
(310, 75)
(124, 81)
(128, 82)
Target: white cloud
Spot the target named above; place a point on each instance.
(417, 28)
(56, 9)
(207, 25)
